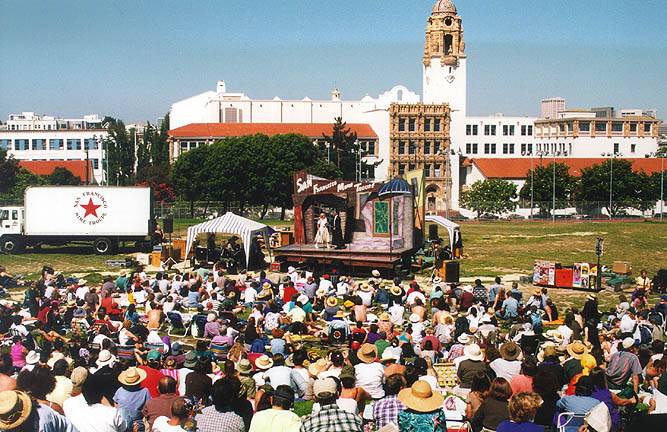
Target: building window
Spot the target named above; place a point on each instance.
(38, 144)
(401, 147)
(584, 127)
(508, 148)
(436, 171)
(412, 148)
(617, 127)
(5, 144)
(600, 126)
(427, 170)
(411, 167)
(427, 125)
(489, 129)
(471, 129)
(55, 144)
(73, 144)
(474, 148)
(401, 125)
(436, 147)
(617, 148)
(90, 144)
(436, 125)
(633, 148)
(412, 125)
(647, 128)
(184, 146)
(633, 127)
(530, 130)
(427, 147)
(21, 144)
(371, 147)
(401, 169)
(468, 148)
(508, 130)
(96, 164)
(523, 130)
(490, 148)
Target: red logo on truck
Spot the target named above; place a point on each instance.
(90, 208)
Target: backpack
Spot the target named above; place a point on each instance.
(646, 335)
(461, 325)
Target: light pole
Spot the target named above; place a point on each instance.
(612, 156)
(662, 179)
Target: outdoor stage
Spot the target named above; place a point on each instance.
(354, 256)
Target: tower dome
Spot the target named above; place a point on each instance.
(444, 6)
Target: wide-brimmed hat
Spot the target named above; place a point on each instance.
(331, 301)
(555, 335)
(317, 366)
(463, 338)
(375, 273)
(325, 387)
(244, 367)
(105, 358)
(79, 313)
(627, 342)
(190, 359)
(15, 408)
(32, 358)
(263, 362)
(420, 397)
(340, 314)
(291, 269)
(510, 351)
(389, 355)
(473, 352)
(367, 353)
(78, 377)
(414, 318)
(591, 297)
(82, 282)
(176, 348)
(396, 290)
(384, 316)
(132, 376)
(437, 280)
(365, 288)
(303, 299)
(577, 349)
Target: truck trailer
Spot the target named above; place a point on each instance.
(57, 215)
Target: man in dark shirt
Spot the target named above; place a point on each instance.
(161, 405)
(551, 365)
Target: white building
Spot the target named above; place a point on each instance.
(498, 136)
(549, 108)
(30, 137)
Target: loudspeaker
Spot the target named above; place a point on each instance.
(168, 223)
(451, 271)
(433, 232)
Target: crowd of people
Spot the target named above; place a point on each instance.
(209, 351)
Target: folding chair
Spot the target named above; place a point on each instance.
(176, 323)
(569, 422)
(220, 351)
(125, 352)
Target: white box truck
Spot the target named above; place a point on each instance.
(57, 215)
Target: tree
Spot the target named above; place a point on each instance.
(189, 177)
(325, 169)
(543, 183)
(595, 183)
(490, 197)
(24, 179)
(343, 149)
(63, 177)
(9, 168)
(120, 152)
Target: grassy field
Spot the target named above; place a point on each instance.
(490, 248)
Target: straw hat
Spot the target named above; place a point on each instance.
(244, 367)
(263, 362)
(389, 355)
(317, 367)
(420, 397)
(473, 352)
(537, 292)
(365, 288)
(367, 353)
(437, 280)
(510, 351)
(32, 358)
(414, 318)
(396, 290)
(464, 338)
(384, 316)
(331, 301)
(105, 358)
(321, 292)
(15, 408)
(82, 282)
(555, 335)
(303, 299)
(132, 376)
(577, 349)
(376, 273)
(78, 377)
(340, 314)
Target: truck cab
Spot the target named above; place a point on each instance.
(11, 228)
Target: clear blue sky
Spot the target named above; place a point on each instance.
(133, 58)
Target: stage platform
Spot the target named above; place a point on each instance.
(354, 255)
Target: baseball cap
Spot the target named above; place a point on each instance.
(79, 376)
(325, 388)
(153, 355)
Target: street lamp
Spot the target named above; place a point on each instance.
(662, 178)
(612, 156)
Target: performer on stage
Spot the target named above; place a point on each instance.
(322, 237)
(338, 239)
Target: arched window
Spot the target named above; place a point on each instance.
(447, 44)
(399, 95)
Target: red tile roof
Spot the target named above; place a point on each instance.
(222, 130)
(518, 168)
(77, 167)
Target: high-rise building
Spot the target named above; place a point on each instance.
(550, 107)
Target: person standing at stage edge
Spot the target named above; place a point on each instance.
(338, 240)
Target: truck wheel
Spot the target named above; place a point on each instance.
(11, 245)
(103, 246)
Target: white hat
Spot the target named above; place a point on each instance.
(82, 282)
(628, 342)
(105, 358)
(467, 288)
(375, 273)
(437, 280)
(325, 387)
(291, 269)
(414, 318)
(389, 355)
(32, 358)
(473, 352)
(464, 338)
(303, 299)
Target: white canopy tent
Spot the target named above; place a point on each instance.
(233, 224)
(453, 229)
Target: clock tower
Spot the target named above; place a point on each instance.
(444, 81)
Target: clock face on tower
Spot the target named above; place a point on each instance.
(449, 78)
